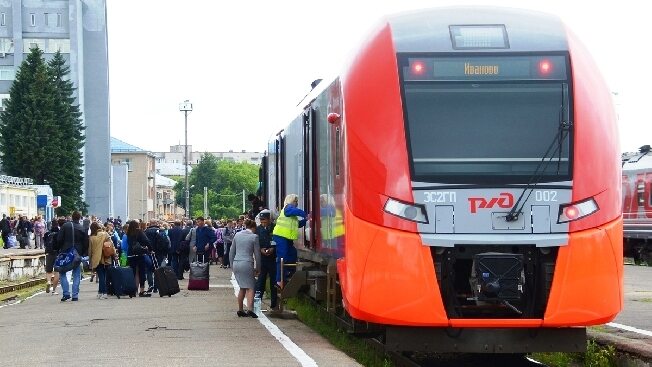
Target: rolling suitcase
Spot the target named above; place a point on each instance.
(122, 281)
(199, 273)
(165, 279)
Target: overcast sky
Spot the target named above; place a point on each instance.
(246, 64)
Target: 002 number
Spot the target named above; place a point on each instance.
(545, 195)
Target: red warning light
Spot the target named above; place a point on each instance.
(571, 212)
(418, 68)
(545, 67)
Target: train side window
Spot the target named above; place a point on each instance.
(338, 151)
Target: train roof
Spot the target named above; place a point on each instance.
(428, 30)
(639, 161)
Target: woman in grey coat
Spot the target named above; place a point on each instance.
(243, 250)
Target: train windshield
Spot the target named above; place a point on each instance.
(488, 120)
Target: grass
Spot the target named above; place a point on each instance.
(647, 300)
(21, 294)
(320, 321)
(595, 356)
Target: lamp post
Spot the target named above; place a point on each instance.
(186, 107)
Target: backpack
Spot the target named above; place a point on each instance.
(162, 245)
(49, 239)
(220, 233)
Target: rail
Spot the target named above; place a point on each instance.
(22, 285)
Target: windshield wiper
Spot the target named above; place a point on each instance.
(562, 132)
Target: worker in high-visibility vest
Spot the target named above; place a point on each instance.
(285, 232)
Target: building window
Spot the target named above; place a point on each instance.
(59, 19)
(29, 43)
(3, 19)
(7, 72)
(3, 98)
(6, 45)
(32, 18)
(54, 44)
(48, 45)
(46, 18)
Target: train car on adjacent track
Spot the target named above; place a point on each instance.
(463, 173)
(637, 204)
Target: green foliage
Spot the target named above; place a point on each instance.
(41, 132)
(595, 356)
(320, 321)
(555, 359)
(225, 181)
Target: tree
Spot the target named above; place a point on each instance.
(225, 181)
(70, 136)
(41, 132)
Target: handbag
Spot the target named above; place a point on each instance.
(135, 249)
(123, 259)
(68, 259)
(108, 249)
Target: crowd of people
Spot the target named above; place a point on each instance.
(251, 245)
(21, 231)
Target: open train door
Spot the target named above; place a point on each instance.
(310, 192)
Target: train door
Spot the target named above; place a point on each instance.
(279, 166)
(310, 192)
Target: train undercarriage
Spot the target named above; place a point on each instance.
(317, 278)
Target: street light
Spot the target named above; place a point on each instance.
(186, 107)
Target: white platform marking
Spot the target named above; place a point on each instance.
(630, 328)
(288, 344)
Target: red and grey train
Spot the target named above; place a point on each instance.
(637, 204)
(463, 171)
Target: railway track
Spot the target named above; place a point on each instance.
(26, 284)
(437, 359)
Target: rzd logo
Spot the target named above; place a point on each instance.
(505, 200)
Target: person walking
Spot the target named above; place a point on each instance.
(204, 239)
(39, 232)
(229, 232)
(72, 234)
(138, 248)
(175, 235)
(285, 232)
(160, 244)
(50, 239)
(97, 261)
(244, 250)
(5, 228)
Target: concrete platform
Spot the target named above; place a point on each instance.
(631, 331)
(19, 263)
(191, 328)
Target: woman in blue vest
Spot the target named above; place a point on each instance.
(285, 232)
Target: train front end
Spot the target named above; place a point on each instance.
(483, 176)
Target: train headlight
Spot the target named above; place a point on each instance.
(413, 212)
(577, 210)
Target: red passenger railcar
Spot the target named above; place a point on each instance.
(464, 173)
(637, 204)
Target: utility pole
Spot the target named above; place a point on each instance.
(186, 107)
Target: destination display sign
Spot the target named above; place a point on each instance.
(485, 68)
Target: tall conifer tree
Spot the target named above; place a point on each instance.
(70, 137)
(41, 132)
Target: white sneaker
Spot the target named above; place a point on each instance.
(104, 296)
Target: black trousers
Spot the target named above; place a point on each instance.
(267, 268)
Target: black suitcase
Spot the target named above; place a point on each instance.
(122, 281)
(165, 279)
